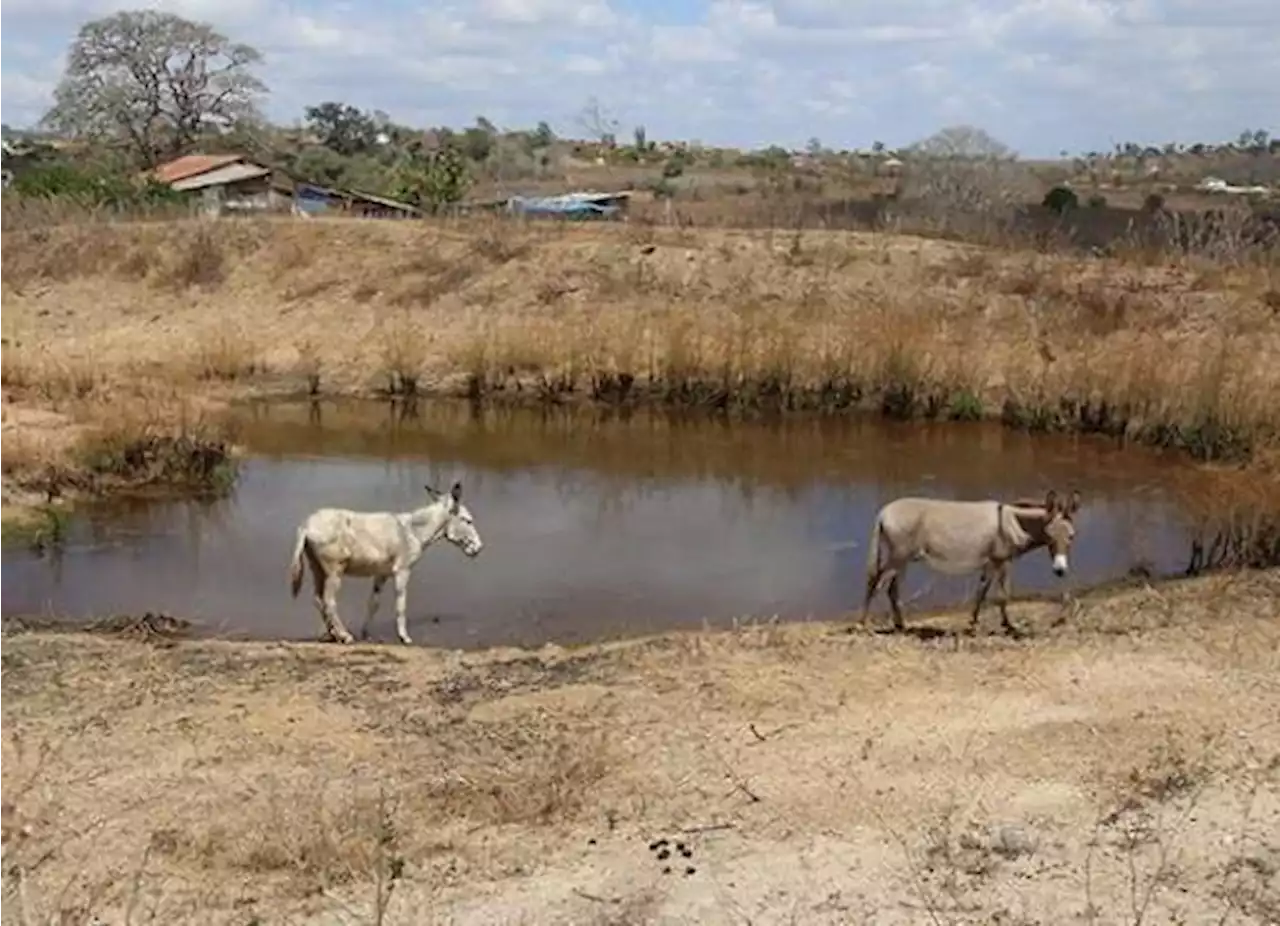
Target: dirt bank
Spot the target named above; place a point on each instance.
(1126, 761)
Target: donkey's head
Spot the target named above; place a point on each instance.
(1059, 527)
(459, 526)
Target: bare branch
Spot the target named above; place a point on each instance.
(597, 122)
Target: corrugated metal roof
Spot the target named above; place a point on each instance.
(192, 164)
(221, 176)
(382, 200)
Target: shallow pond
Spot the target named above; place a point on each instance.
(596, 525)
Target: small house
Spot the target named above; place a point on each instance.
(228, 183)
(235, 183)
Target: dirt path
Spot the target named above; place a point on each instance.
(1129, 759)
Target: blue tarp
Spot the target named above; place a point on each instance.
(312, 199)
(570, 205)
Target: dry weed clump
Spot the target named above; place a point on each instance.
(225, 353)
(1234, 515)
(40, 372)
(155, 447)
(403, 348)
(145, 442)
(506, 775)
(308, 834)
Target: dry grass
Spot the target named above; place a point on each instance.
(826, 320)
(1180, 353)
(123, 438)
(1121, 768)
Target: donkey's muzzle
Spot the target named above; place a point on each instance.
(1060, 565)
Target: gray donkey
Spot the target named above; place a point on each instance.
(959, 537)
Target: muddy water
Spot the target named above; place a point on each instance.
(596, 525)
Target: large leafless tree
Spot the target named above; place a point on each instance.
(961, 174)
(154, 81)
(961, 141)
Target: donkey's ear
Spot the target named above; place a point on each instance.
(432, 492)
(1073, 503)
(1050, 501)
(456, 492)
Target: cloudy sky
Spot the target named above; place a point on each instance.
(1040, 75)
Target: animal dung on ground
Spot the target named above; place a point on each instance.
(662, 850)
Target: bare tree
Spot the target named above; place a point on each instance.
(155, 81)
(962, 179)
(598, 123)
(961, 141)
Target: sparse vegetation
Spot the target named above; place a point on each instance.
(191, 781)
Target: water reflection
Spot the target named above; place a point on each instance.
(594, 525)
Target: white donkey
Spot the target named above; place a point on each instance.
(379, 545)
(959, 537)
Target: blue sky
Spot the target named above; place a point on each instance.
(1040, 75)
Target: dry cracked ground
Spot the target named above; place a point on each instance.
(1119, 765)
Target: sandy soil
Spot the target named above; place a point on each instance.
(1121, 765)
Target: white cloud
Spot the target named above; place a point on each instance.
(586, 14)
(1041, 75)
(690, 45)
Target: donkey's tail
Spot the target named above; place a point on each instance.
(875, 564)
(874, 552)
(295, 564)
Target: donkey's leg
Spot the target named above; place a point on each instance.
(984, 586)
(374, 597)
(317, 582)
(402, 594)
(874, 577)
(1004, 602)
(339, 633)
(895, 600)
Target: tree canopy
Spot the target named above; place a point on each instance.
(961, 141)
(154, 81)
(342, 128)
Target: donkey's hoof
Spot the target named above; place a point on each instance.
(342, 637)
(404, 638)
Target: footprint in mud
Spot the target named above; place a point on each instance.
(663, 849)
